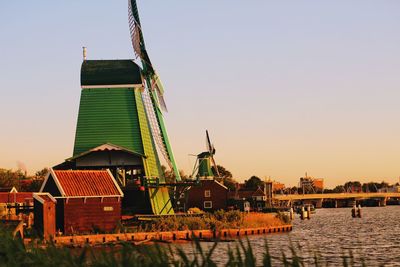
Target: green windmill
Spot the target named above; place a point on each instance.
(205, 163)
(121, 127)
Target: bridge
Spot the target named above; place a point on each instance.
(382, 196)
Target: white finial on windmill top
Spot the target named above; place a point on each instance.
(84, 53)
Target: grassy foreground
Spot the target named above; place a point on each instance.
(14, 253)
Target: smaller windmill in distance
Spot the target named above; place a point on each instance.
(205, 163)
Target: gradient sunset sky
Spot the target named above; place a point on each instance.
(284, 87)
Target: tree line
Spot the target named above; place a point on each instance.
(25, 183)
(21, 181)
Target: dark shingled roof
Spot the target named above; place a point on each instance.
(110, 72)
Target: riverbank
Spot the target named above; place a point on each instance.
(168, 236)
(217, 226)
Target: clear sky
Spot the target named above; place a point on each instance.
(284, 87)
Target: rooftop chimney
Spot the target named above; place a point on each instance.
(84, 53)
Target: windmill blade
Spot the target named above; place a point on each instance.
(137, 37)
(208, 142)
(133, 11)
(163, 105)
(155, 127)
(141, 52)
(152, 95)
(211, 150)
(215, 166)
(158, 83)
(134, 28)
(159, 88)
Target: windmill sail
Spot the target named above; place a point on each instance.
(211, 151)
(153, 95)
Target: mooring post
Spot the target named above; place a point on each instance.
(353, 211)
(359, 211)
(302, 213)
(382, 202)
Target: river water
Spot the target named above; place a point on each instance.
(330, 234)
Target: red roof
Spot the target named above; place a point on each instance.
(86, 183)
(16, 197)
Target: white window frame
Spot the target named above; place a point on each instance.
(207, 204)
(207, 193)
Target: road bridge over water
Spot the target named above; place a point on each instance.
(382, 196)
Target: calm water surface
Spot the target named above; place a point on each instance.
(331, 233)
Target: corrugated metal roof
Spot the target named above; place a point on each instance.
(87, 183)
(110, 72)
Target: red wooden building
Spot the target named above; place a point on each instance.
(13, 202)
(87, 200)
(210, 195)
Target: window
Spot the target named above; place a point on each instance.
(207, 193)
(207, 204)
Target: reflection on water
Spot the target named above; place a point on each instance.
(331, 233)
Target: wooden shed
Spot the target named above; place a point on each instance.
(87, 200)
(210, 195)
(45, 214)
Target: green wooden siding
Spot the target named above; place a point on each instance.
(108, 116)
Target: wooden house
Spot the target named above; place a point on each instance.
(256, 197)
(210, 195)
(87, 200)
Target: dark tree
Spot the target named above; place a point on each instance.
(170, 175)
(223, 173)
(34, 186)
(339, 189)
(253, 182)
(10, 178)
(225, 177)
(42, 173)
(353, 186)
